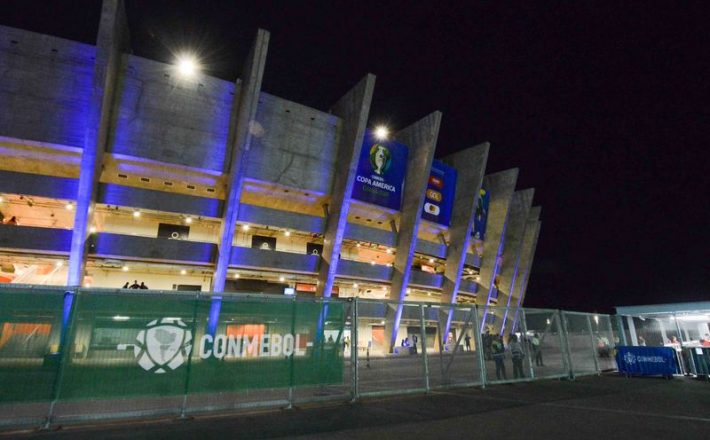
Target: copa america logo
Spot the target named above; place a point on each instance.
(630, 358)
(163, 345)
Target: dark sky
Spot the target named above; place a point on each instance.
(603, 107)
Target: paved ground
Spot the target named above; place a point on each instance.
(588, 408)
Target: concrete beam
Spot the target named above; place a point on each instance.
(512, 249)
(501, 186)
(353, 109)
(532, 232)
(421, 139)
(471, 165)
(111, 41)
(240, 137)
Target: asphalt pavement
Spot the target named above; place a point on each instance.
(605, 407)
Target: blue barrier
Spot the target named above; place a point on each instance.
(646, 361)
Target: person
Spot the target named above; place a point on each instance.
(537, 350)
(12, 221)
(498, 354)
(705, 342)
(330, 339)
(346, 343)
(642, 341)
(487, 341)
(135, 285)
(125, 286)
(603, 348)
(467, 341)
(143, 286)
(517, 354)
(415, 340)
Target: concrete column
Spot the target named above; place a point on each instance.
(353, 110)
(513, 239)
(532, 232)
(471, 165)
(111, 41)
(501, 186)
(240, 136)
(421, 139)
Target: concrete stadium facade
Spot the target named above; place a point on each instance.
(115, 168)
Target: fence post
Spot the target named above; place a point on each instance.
(425, 356)
(479, 345)
(594, 350)
(564, 334)
(64, 350)
(354, 368)
(183, 409)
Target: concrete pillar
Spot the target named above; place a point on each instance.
(512, 251)
(532, 231)
(471, 165)
(353, 110)
(421, 139)
(501, 186)
(240, 136)
(111, 41)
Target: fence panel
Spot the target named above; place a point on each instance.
(606, 340)
(581, 343)
(548, 355)
(126, 355)
(30, 333)
(383, 368)
(453, 357)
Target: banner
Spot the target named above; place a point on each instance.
(439, 201)
(646, 361)
(481, 217)
(380, 173)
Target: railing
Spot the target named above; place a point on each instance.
(91, 354)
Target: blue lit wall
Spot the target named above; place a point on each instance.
(116, 245)
(45, 88)
(119, 195)
(38, 185)
(160, 116)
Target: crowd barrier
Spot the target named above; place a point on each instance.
(93, 354)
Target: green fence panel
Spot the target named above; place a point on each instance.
(30, 330)
(126, 345)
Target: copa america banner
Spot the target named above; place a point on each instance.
(439, 201)
(481, 218)
(380, 172)
(646, 361)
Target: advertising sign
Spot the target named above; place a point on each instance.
(439, 201)
(265, 243)
(646, 361)
(380, 173)
(173, 232)
(481, 218)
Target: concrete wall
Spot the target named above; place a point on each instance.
(115, 245)
(38, 185)
(34, 239)
(161, 116)
(45, 87)
(119, 195)
(293, 145)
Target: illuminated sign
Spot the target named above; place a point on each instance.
(380, 173)
(439, 201)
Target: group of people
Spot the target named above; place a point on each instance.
(494, 348)
(411, 345)
(135, 285)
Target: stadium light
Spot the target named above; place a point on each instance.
(381, 133)
(187, 65)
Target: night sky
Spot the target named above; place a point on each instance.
(604, 108)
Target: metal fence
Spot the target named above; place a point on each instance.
(92, 354)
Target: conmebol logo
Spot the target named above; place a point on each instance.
(164, 345)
